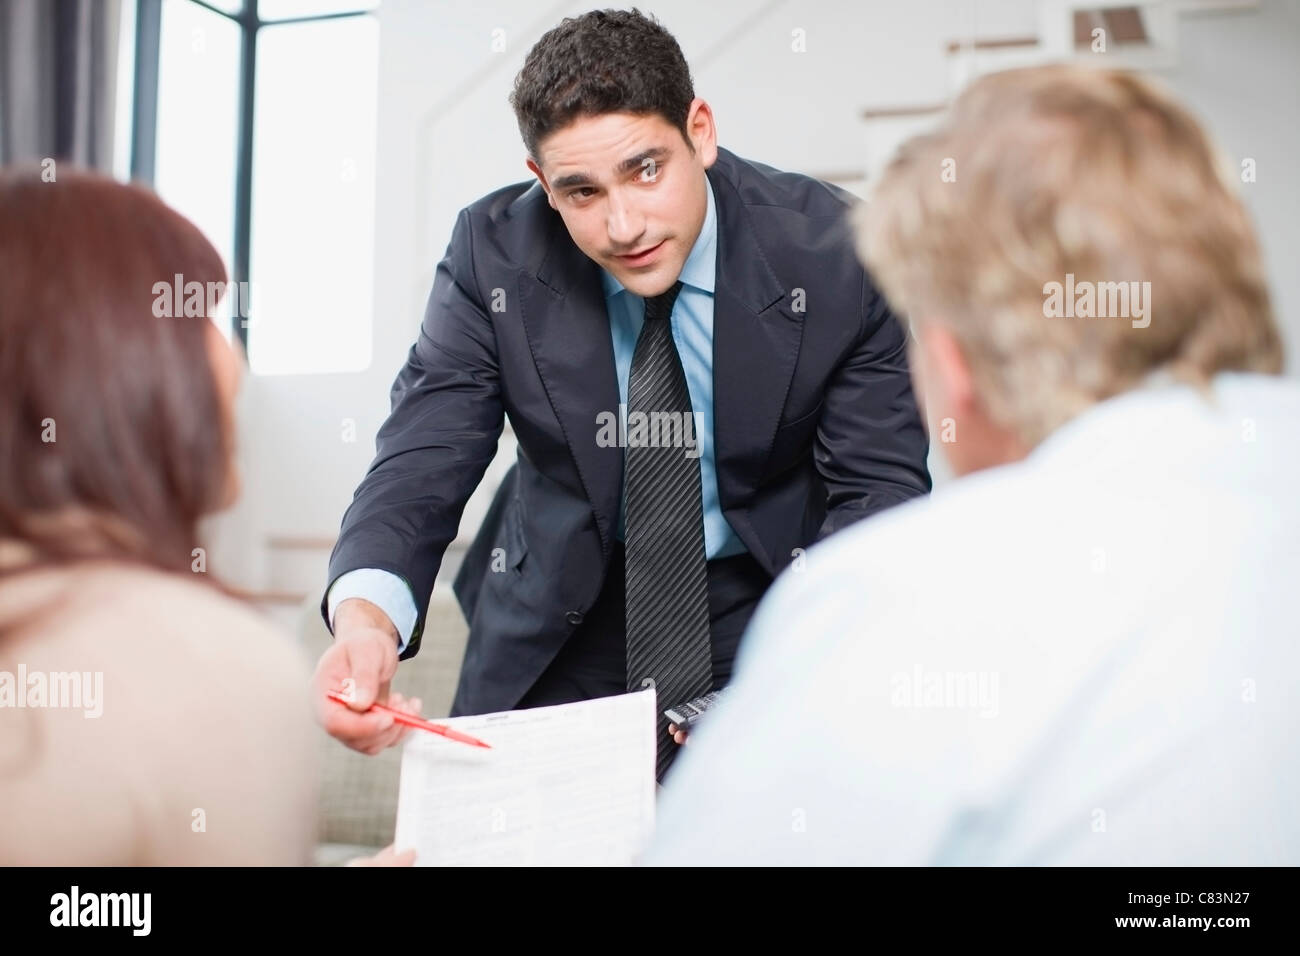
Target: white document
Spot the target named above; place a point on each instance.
(569, 785)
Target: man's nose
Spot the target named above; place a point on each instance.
(624, 224)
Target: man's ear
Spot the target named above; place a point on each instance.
(702, 131)
(946, 362)
(541, 178)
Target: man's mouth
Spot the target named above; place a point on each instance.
(643, 257)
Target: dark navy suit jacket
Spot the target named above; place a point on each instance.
(815, 422)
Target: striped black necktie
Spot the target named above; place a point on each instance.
(667, 579)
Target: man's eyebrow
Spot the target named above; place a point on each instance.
(573, 179)
(655, 154)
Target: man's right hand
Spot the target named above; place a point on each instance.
(361, 661)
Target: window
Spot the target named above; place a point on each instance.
(256, 119)
(198, 118)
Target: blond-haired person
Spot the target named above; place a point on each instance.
(1084, 650)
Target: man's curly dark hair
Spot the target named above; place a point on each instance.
(604, 61)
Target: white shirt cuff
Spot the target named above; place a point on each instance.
(383, 589)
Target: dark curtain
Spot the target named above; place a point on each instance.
(58, 71)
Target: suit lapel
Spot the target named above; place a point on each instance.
(756, 338)
(567, 325)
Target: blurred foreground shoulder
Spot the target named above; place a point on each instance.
(190, 741)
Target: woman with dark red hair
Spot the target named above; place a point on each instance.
(146, 715)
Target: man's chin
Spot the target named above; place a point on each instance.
(649, 282)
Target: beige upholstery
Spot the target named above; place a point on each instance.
(358, 796)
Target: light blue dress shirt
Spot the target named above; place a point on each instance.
(692, 322)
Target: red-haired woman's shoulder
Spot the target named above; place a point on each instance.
(190, 710)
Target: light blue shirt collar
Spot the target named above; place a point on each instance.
(700, 268)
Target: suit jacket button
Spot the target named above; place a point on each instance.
(573, 617)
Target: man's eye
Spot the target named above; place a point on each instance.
(583, 192)
(649, 173)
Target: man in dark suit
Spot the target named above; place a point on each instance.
(701, 378)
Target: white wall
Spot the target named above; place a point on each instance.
(447, 136)
(1241, 74)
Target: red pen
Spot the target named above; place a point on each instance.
(404, 718)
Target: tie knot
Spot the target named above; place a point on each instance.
(661, 306)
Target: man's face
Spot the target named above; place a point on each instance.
(630, 191)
